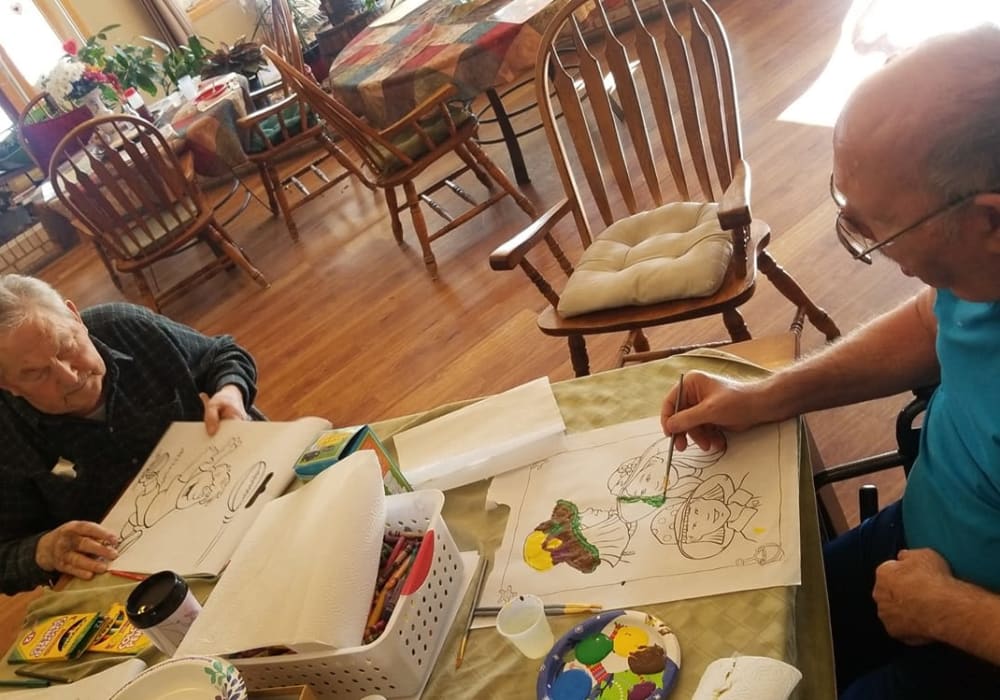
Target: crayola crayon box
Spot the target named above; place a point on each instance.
(331, 446)
(57, 638)
(117, 635)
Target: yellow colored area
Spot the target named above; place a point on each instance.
(627, 639)
(536, 553)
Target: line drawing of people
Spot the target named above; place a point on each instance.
(702, 517)
(640, 485)
(166, 486)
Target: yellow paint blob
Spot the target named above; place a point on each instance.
(535, 554)
(628, 638)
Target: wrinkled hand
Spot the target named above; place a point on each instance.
(708, 406)
(227, 403)
(911, 592)
(78, 548)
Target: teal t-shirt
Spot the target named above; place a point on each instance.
(952, 498)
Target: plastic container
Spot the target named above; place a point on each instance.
(398, 663)
(134, 100)
(163, 607)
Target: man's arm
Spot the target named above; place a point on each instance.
(920, 601)
(890, 354)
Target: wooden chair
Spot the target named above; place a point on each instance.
(397, 154)
(288, 127)
(623, 163)
(120, 179)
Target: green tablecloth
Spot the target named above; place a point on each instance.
(788, 623)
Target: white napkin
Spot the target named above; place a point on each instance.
(747, 678)
(100, 685)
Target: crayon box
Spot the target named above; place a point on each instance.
(331, 446)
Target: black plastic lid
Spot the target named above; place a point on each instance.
(155, 599)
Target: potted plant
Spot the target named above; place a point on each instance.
(186, 59)
(243, 57)
(132, 66)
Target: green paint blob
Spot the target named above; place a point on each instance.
(591, 650)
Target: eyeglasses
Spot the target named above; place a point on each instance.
(856, 238)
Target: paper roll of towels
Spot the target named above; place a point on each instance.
(747, 678)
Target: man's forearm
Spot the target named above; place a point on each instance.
(20, 570)
(889, 355)
(970, 621)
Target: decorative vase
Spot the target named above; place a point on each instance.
(94, 101)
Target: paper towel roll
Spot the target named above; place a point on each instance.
(747, 678)
(304, 575)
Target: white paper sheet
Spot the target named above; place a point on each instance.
(590, 524)
(305, 573)
(487, 438)
(196, 496)
(398, 12)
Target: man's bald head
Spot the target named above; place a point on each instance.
(931, 117)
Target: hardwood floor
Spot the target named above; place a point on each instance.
(353, 329)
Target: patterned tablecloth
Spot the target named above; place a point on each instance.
(398, 61)
(207, 127)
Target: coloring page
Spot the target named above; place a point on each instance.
(188, 506)
(605, 522)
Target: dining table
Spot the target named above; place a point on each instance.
(418, 46)
(789, 623)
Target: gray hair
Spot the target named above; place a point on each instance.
(963, 156)
(22, 296)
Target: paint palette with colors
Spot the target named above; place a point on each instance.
(614, 655)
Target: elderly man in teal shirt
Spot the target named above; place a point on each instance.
(915, 590)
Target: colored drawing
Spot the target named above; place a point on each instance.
(606, 521)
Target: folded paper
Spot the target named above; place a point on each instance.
(747, 678)
(487, 438)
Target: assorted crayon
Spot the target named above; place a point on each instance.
(399, 550)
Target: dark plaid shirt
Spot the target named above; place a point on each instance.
(156, 368)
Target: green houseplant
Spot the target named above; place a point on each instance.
(187, 59)
(133, 66)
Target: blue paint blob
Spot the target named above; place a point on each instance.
(574, 684)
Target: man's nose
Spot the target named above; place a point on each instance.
(65, 372)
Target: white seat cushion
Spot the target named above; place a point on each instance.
(677, 251)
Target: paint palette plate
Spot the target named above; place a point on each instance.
(614, 655)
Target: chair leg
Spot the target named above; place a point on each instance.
(393, 204)
(108, 264)
(265, 179)
(476, 169)
(736, 326)
(147, 294)
(234, 253)
(578, 355)
(501, 179)
(791, 290)
(279, 194)
(420, 227)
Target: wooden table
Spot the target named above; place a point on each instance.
(391, 66)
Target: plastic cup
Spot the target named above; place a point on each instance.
(163, 607)
(523, 622)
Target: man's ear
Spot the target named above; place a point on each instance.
(72, 307)
(990, 202)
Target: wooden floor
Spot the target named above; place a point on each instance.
(353, 329)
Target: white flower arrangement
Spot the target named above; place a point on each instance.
(72, 79)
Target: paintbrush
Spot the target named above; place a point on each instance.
(670, 450)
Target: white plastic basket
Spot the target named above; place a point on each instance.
(399, 661)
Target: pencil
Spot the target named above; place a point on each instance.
(132, 575)
(670, 450)
(568, 609)
(480, 581)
